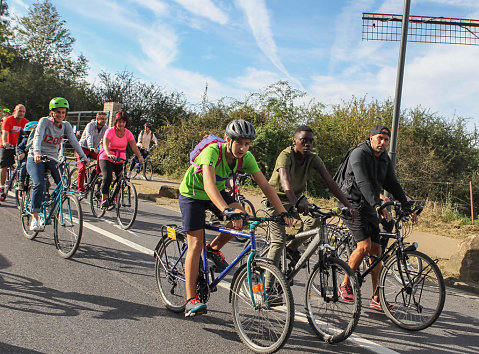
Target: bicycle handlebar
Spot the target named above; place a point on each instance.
(402, 210)
(315, 210)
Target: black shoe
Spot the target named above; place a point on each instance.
(217, 257)
(104, 204)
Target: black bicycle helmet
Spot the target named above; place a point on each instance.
(240, 128)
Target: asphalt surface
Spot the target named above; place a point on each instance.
(104, 300)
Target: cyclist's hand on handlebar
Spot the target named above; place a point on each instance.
(287, 218)
(37, 158)
(303, 207)
(141, 159)
(86, 161)
(235, 217)
(112, 157)
(385, 214)
(354, 213)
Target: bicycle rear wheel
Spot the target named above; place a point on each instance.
(415, 302)
(95, 198)
(68, 225)
(332, 318)
(26, 216)
(126, 205)
(265, 327)
(170, 272)
(148, 170)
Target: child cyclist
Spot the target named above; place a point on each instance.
(205, 189)
(23, 144)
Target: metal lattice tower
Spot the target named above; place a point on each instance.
(424, 29)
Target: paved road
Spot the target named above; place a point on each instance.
(105, 300)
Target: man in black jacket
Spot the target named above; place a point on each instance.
(368, 172)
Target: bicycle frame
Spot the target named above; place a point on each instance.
(52, 202)
(212, 281)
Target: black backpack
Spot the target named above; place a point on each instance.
(340, 175)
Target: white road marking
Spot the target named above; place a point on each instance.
(117, 238)
(355, 339)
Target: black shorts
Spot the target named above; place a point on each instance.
(7, 157)
(366, 225)
(193, 210)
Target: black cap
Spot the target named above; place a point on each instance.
(381, 129)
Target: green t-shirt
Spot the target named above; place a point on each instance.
(299, 173)
(192, 184)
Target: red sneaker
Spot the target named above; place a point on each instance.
(377, 305)
(346, 293)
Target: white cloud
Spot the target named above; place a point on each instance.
(258, 19)
(204, 8)
(442, 79)
(255, 79)
(158, 7)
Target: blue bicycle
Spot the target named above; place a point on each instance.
(61, 208)
(262, 302)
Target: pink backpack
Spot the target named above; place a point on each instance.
(206, 141)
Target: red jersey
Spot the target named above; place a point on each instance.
(13, 128)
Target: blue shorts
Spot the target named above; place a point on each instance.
(193, 210)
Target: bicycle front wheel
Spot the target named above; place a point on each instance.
(170, 272)
(68, 225)
(332, 318)
(126, 205)
(416, 301)
(148, 170)
(95, 199)
(265, 326)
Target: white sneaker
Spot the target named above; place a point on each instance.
(36, 225)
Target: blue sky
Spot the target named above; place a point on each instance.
(241, 46)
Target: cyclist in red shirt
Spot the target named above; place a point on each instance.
(11, 127)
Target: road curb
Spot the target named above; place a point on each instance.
(459, 284)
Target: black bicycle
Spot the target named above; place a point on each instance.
(90, 174)
(122, 197)
(11, 182)
(411, 287)
(145, 168)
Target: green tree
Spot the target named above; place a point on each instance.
(42, 37)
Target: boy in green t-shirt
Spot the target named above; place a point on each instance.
(206, 190)
(294, 166)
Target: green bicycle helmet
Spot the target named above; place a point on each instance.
(6, 110)
(58, 102)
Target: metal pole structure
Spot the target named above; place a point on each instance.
(472, 203)
(399, 80)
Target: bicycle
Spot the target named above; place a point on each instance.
(61, 208)
(10, 183)
(90, 174)
(122, 197)
(410, 285)
(145, 168)
(263, 325)
(332, 318)
(240, 198)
